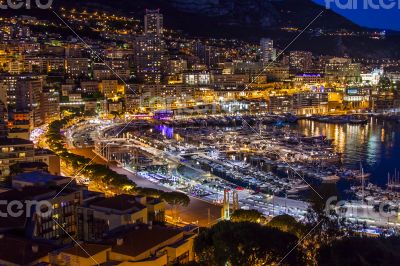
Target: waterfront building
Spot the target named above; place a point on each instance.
(301, 103)
(343, 70)
(280, 103)
(357, 98)
(168, 97)
(384, 100)
(309, 103)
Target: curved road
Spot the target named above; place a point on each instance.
(197, 211)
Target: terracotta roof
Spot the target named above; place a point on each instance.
(19, 250)
(138, 240)
(119, 203)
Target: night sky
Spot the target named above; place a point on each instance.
(382, 19)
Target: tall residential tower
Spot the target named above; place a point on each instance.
(153, 22)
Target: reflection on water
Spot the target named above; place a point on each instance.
(376, 144)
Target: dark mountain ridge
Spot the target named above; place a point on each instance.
(250, 20)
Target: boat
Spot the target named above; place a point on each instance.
(329, 178)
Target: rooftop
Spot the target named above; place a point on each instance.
(139, 239)
(39, 177)
(20, 251)
(86, 250)
(120, 203)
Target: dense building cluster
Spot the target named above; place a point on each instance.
(111, 66)
(115, 230)
(128, 68)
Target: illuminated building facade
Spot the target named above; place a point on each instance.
(300, 61)
(268, 52)
(153, 22)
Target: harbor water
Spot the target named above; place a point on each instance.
(375, 144)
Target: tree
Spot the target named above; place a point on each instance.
(175, 198)
(96, 172)
(322, 222)
(251, 216)
(287, 223)
(228, 243)
(149, 192)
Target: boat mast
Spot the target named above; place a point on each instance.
(362, 183)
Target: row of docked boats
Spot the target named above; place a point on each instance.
(232, 120)
(340, 119)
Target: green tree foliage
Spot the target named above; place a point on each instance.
(251, 216)
(287, 223)
(361, 251)
(228, 243)
(175, 198)
(149, 192)
(322, 222)
(96, 172)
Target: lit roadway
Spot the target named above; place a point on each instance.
(197, 211)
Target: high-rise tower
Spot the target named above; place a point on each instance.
(153, 22)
